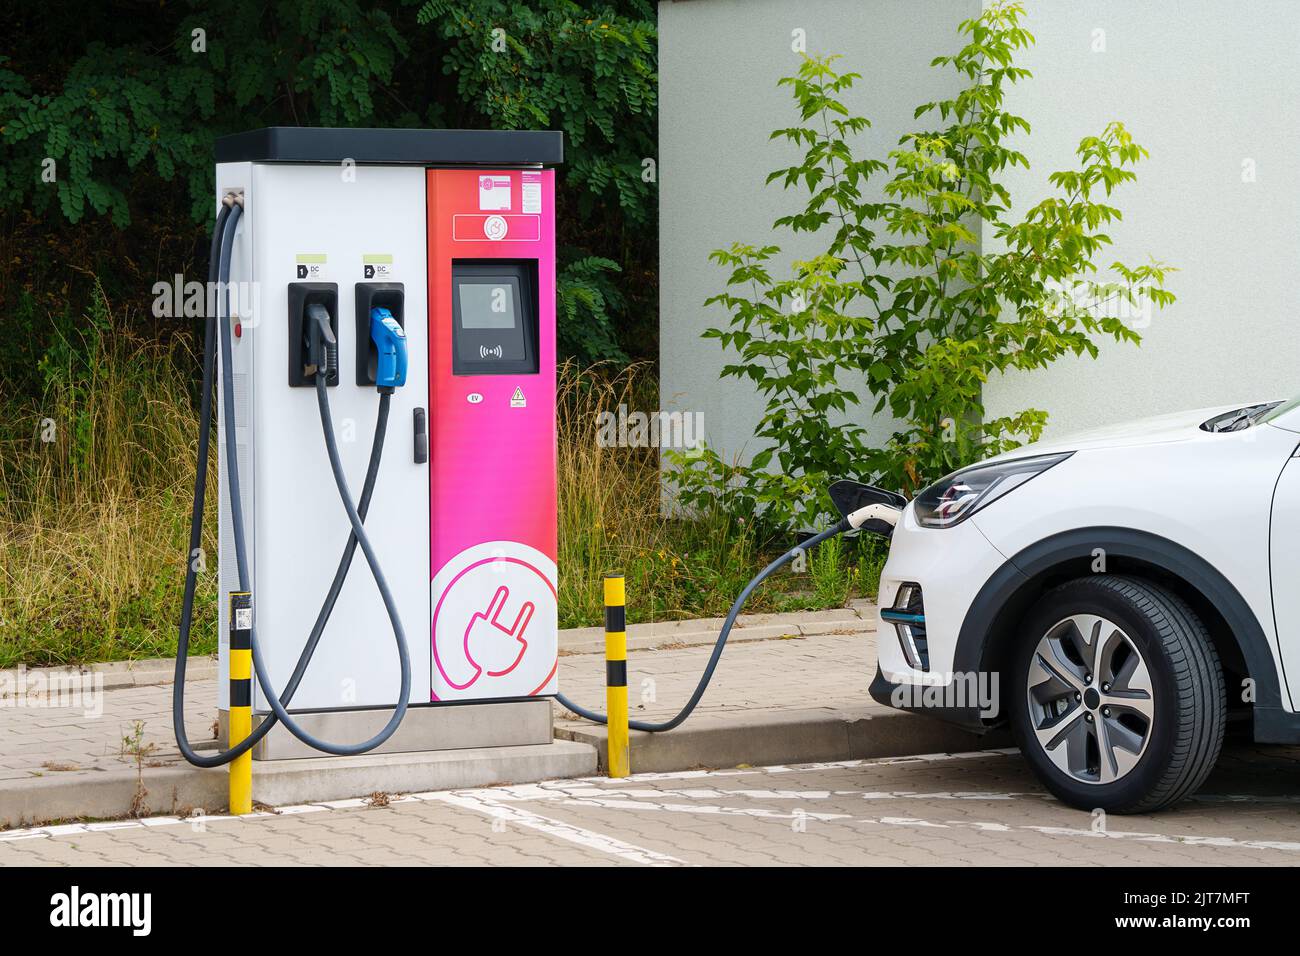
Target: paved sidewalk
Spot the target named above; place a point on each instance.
(790, 687)
(38, 737)
(826, 657)
(823, 659)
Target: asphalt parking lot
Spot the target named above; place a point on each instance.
(975, 808)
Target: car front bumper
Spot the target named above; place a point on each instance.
(949, 566)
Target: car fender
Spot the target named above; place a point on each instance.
(1012, 586)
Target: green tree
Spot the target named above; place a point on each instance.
(112, 118)
(590, 71)
(917, 298)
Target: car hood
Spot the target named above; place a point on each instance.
(1158, 429)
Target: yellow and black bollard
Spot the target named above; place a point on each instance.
(240, 723)
(616, 675)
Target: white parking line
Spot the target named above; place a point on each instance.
(618, 803)
(482, 801)
(703, 792)
(545, 790)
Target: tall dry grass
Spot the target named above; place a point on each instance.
(96, 479)
(95, 486)
(612, 519)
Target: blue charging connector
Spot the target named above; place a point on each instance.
(390, 343)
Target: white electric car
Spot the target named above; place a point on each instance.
(1117, 596)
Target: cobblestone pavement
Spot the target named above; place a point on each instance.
(981, 808)
(85, 735)
(828, 670)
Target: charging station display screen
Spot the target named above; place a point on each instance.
(487, 305)
(494, 317)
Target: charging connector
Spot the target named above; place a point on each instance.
(322, 345)
(390, 347)
(887, 514)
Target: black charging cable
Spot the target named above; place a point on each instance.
(219, 270)
(838, 528)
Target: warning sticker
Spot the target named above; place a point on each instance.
(532, 192)
(493, 192)
(517, 400)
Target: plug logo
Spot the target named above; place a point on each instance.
(490, 644)
(494, 623)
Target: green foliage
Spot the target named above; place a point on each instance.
(120, 107)
(68, 370)
(908, 304)
(125, 123)
(585, 69)
(832, 575)
(586, 302)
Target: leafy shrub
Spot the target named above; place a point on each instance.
(907, 303)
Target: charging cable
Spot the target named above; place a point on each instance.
(323, 345)
(851, 522)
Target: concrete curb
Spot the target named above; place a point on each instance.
(112, 675)
(766, 738)
(180, 790)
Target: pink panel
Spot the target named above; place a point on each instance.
(491, 457)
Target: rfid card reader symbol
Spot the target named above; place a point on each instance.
(486, 352)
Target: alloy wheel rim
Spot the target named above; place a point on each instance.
(1091, 704)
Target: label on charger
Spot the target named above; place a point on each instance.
(309, 265)
(241, 619)
(375, 265)
(532, 192)
(493, 193)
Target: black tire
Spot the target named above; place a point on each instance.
(1189, 706)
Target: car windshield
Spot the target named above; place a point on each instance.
(1281, 409)
(1239, 418)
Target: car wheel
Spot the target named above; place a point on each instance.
(1118, 699)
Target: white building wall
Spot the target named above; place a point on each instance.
(1209, 87)
(1205, 85)
(719, 63)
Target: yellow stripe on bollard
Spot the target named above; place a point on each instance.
(616, 676)
(241, 700)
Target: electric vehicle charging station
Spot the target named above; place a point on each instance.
(405, 277)
(439, 244)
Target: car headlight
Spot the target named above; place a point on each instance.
(952, 500)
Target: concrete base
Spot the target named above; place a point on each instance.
(182, 789)
(335, 778)
(425, 728)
